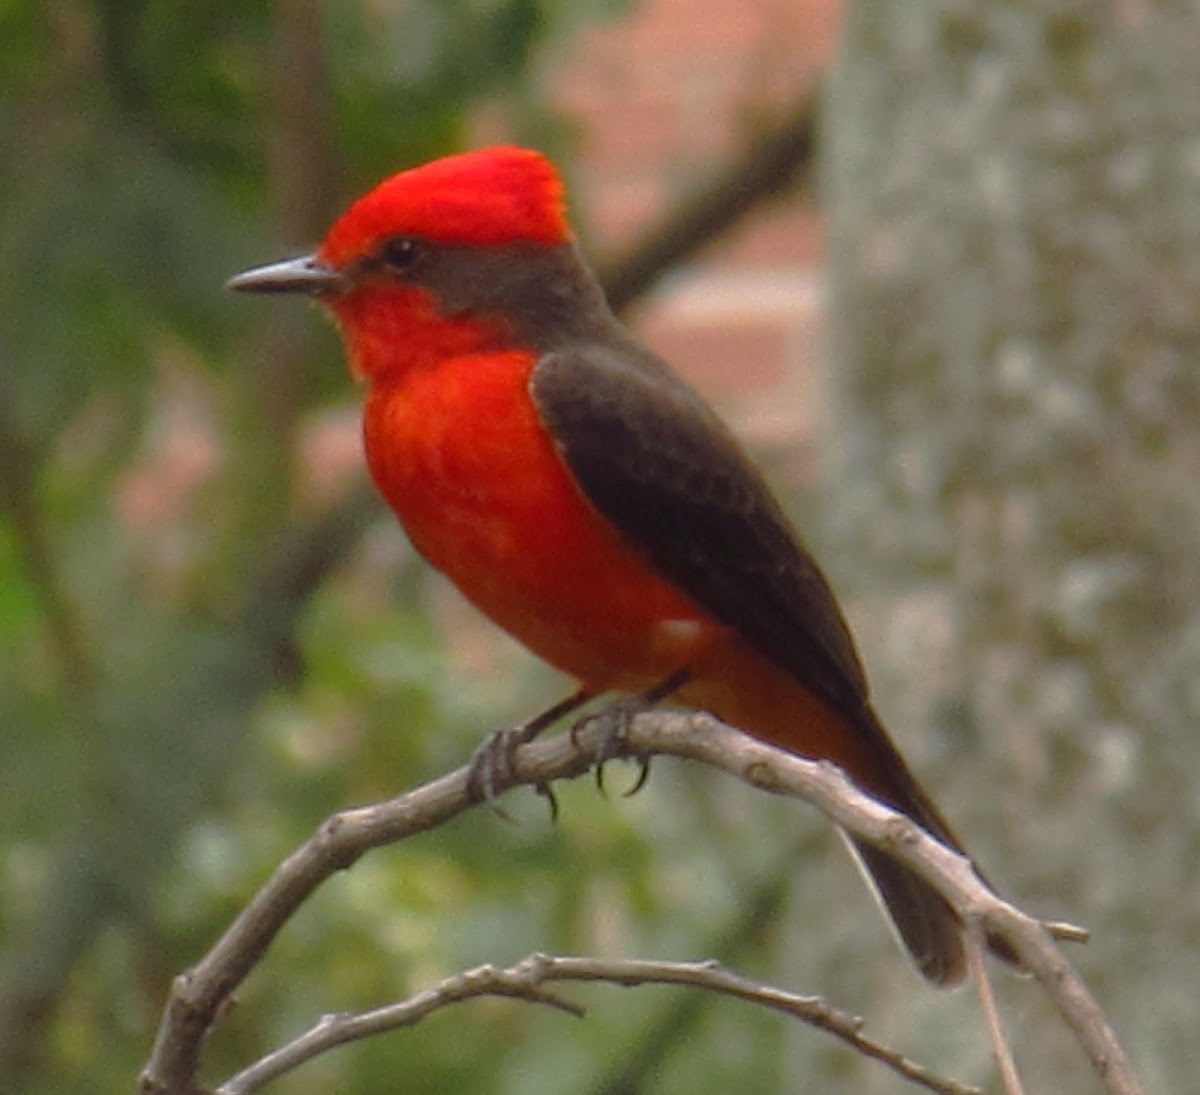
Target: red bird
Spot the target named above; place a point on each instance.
(581, 494)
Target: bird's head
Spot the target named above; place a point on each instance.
(465, 253)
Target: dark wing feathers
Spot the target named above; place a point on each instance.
(658, 463)
(655, 461)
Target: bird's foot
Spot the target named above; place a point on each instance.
(614, 721)
(492, 766)
(613, 724)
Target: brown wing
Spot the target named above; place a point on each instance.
(658, 463)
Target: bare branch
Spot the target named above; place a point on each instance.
(1001, 1049)
(639, 1062)
(776, 160)
(824, 785)
(199, 994)
(526, 980)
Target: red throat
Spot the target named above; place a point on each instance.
(391, 330)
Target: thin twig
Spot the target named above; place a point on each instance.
(526, 980)
(777, 159)
(639, 1062)
(1001, 1050)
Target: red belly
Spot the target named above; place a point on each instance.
(462, 457)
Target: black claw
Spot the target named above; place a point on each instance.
(643, 775)
(492, 762)
(615, 725)
(547, 792)
(615, 719)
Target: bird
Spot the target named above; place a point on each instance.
(584, 496)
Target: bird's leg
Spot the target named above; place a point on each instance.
(493, 759)
(615, 719)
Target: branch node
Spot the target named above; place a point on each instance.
(1066, 931)
(762, 776)
(901, 832)
(332, 846)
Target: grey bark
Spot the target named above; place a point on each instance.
(1014, 191)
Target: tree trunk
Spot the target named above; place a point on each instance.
(1014, 193)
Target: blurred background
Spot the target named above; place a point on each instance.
(955, 315)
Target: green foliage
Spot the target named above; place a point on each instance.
(197, 664)
(417, 64)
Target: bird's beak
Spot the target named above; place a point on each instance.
(306, 274)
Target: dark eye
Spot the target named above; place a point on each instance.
(399, 254)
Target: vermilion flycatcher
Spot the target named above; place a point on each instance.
(580, 493)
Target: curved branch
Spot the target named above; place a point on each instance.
(526, 980)
(639, 1062)
(772, 163)
(199, 995)
(823, 784)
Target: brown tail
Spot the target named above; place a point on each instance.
(925, 922)
(771, 704)
(926, 925)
